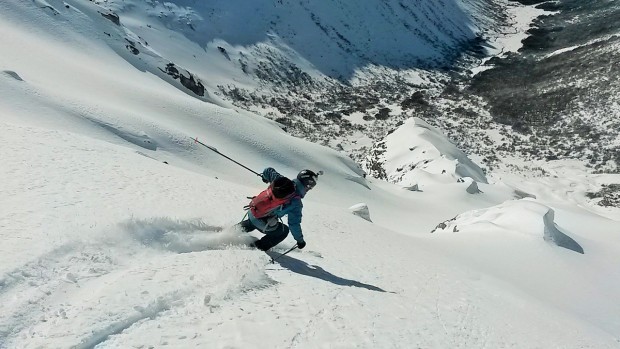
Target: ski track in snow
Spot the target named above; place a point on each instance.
(329, 317)
(309, 330)
(43, 283)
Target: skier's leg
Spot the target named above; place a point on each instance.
(272, 237)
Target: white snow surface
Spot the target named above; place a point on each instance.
(116, 228)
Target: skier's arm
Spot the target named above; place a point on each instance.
(294, 221)
(270, 174)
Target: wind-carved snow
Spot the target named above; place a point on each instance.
(361, 210)
(526, 217)
(12, 74)
(418, 154)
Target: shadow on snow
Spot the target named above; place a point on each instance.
(303, 268)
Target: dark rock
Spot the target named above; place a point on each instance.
(416, 99)
(441, 226)
(383, 114)
(132, 49)
(223, 51)
(189, 82)
(172, 70)
(333, 116)
(112, 17)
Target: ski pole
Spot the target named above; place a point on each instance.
(217, 152)
(273, 260)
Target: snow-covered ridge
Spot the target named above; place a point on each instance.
(418, 154)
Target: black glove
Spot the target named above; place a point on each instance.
(301, 244)
(264, 179)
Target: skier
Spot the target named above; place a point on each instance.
(283, 197)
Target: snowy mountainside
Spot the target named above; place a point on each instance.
(312, 67)
(117, 228)
(246, 42)
(331, 39)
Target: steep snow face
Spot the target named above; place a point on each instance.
(204, 48)
(417, 153)
(334, 38)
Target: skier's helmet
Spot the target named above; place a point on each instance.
(308, 178)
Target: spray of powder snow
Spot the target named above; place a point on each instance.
(183, 236)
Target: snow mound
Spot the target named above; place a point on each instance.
(414, 187)
(524, 217)
(12, 74)
(418, 153)
(472, 186)
(361, 210)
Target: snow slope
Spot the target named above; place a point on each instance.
(116, 227)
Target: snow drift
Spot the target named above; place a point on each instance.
(526, 217)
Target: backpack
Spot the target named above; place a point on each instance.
(279, 193)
